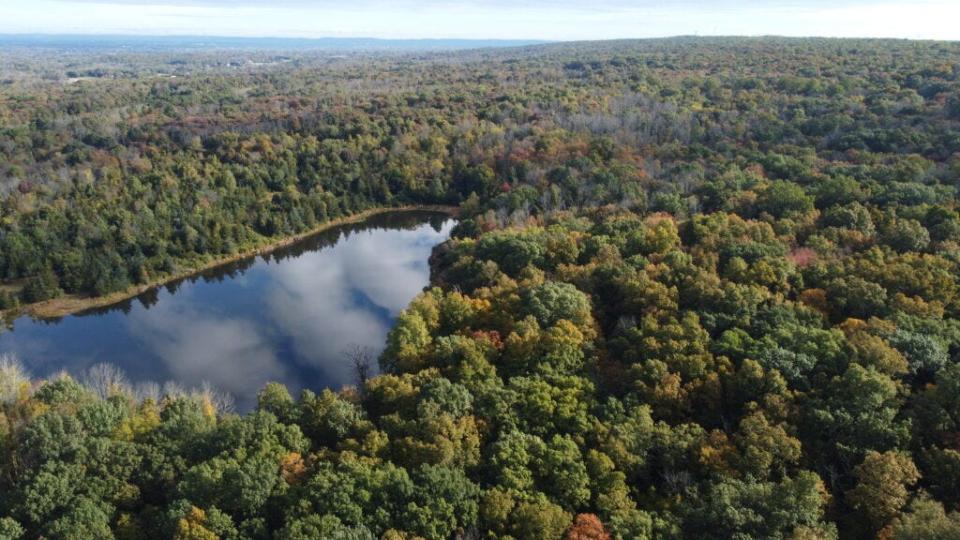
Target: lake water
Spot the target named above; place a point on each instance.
(286, 317)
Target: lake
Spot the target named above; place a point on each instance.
(287, 317)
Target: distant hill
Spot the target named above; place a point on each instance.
(110, 41)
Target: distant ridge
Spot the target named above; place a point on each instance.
(120, 41)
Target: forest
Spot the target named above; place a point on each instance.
(700, 288)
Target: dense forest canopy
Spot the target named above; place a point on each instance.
(702, 288)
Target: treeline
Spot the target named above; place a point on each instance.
(701, 289)
(105, 234)
(594, 373)
(114, 182)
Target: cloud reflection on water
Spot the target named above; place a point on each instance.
(330, 300)
(232, 354)
(285, 318)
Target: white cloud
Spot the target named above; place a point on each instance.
(312, 307)
(230, 353)
(330, 300)
(558, 20)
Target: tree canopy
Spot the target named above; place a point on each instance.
(700, 288)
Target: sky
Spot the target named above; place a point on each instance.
(559, 20)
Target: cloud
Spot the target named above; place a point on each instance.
(330, 300)
(286, 321)
(233, 354)
(618, 5)
(486, 19)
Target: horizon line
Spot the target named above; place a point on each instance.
(528, 41)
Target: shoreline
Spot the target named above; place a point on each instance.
(62, 306)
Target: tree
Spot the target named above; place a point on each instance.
(925, 354)
(856, 414)
(191, 527)
(539, 520)
(511, 251)
(764, 448)
(561, 473)
(361, 359)
(479, 180)
(241, 487)
(41, 287)
(276, 399)
(443, 501)
(407, 342)
(925, 519)
(587, 527)
(315, 526)
(10, 529)
(748, 509)
(327, 418)
(85, 520)
(691, 295)
(784, 199)
(839, 191)
(882, 486)
(552, 302)
(906, 235)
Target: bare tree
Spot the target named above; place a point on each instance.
(12, 378)
(61, 375)
(361, 359)
(173, 390)
(222, 402)
(677, 482)
(148, 390)
(106, 380)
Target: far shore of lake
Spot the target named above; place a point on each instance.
(72, 303)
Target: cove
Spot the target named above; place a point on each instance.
(288, 316)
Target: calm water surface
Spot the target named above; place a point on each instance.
(285, 317)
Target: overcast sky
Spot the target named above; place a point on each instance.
(524, 19)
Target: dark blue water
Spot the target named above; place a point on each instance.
(286, 317)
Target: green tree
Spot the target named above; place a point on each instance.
(784, 199)
(747, 509)
(926, 519)
(552, 302)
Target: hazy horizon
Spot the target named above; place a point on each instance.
(534, 20)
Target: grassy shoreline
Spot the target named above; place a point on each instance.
(71, 303)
